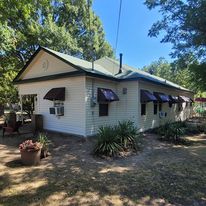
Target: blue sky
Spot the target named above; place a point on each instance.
(138, 49)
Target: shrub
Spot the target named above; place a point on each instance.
(201, 128)
(172, 132)
(107, 142)
(127, 134)
(192, 130)
(112, 140)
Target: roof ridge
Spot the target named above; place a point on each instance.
(131, 68)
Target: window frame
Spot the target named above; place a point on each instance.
(143, 112)
(160, 107)
(180, 107)
(155, 109)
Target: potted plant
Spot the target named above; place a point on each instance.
(43, 139)
(30, 152)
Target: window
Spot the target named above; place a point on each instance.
(103, 109)
(180, 107)
(143, 109)
(155, 108)
(160, 107)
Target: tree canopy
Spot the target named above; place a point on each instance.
(172, 72)
(183, 23)
(68, 26)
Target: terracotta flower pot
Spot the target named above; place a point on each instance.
(30, 158)
(44, 153)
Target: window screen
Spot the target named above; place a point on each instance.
(103, 109)
(143, 109)
(170, 104)
(155, 108)
(160, 107)
(180, 107)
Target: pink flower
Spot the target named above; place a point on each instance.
(30, 146)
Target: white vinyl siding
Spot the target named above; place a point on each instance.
(150, 120)
(125, 109)
(82, 119)
(73, 120)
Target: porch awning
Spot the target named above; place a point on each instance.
(161, 97)
(184, 99)
(56, 94)
(106, 95)
(146, 96)
(173, 99)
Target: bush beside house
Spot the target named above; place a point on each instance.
(112, 141)
(175, 132)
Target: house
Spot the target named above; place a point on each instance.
(76, 96)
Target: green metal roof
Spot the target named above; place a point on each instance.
(103, 68)
(129, 72)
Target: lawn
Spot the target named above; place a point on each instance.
(160, 174)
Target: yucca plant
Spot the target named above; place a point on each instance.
(172, 132)
(45, 142)
(127, 134)
(107, 142)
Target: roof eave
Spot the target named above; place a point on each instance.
(50, 77)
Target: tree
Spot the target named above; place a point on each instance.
(160, 68)
(183, 22)
(174, 72)
(198, 74)
(8, 93)
(62, 25)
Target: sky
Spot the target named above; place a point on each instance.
(137, 47)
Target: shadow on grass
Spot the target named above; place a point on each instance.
(14, 163)
(72, 177)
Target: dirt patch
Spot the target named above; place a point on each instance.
(160, 174)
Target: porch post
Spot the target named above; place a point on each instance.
(21, 104)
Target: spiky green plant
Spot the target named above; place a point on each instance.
(107, 142)
(43, 139)
(127, 134)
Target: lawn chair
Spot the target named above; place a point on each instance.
(11, 128)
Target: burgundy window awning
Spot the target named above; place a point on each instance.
(161, 97)
(184, 99)
(56, 94)
(106, 95)
(173, 99)
(146, 96)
